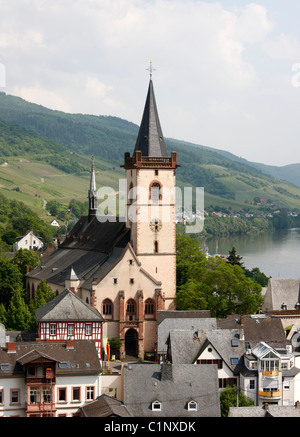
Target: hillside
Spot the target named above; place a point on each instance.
(48, 156)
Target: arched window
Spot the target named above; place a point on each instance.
(107, 307)
(149, 307)
(155, 191)
(131, 309)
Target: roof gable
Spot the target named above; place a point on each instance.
(67, 306)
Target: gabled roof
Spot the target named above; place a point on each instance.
(256, 327)
(174, 386)
(105, 406)
(67, 306)
(185, 324)
(281, 291)
(82, 359)
(150, 140)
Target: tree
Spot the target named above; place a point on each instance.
(43, 294)
(229, 397)
(25, 258)
(10, 280)
(115, 344)
(18, 315)
(234, 259)
(213, 284)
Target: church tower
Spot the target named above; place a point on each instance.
(150, 175)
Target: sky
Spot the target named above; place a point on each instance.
(226, 73)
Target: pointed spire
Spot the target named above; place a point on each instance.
(150, 140)
(92, 195)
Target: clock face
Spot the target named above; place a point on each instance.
(155, 225)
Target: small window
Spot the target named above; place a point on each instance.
(62, 394)
(130, 262)
(192, 406)
(156, 172)
(234, 343)
(155, 246)
(156, 406)
(234, 360)
(90, 393)
(76, 394)
(14, 396)
(5, 366)
(70, 330)
(252, 384)
(115, 280)
(52, 329)
(88, 329)
(155, 191)
(131, 281)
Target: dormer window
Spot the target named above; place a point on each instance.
(192, 406)
(156, 406)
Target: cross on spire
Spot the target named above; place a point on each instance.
(151, 69)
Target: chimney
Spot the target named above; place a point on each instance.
(242, 320)
(297, 404)
(69, 344)
(266, 406)
(11, 348)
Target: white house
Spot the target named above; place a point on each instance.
(28, 241)
(48, 379)
(55, 223)
(270, 376)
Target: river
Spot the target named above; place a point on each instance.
(276, 253)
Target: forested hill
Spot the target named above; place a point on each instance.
(110, 137)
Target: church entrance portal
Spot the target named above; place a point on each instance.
(131, 343)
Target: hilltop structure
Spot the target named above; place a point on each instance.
(125, 268)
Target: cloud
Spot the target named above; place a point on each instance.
(283, 47)
(215, 81)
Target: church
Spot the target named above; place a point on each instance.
(126, 268)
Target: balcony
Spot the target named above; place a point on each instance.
(270, 373)
(270, 394)
(40, 407)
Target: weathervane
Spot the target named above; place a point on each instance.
(151, 69)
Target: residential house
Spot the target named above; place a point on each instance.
(28, 241)
(183, 320)
(256, 328)
(171, 390)
(48, 379)
(282, 300)
(67, 317)
(222, 347)
(271, 376)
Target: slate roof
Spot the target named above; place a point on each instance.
(168, 314)
(67, 306)
(105, 406)
(170, 324)
(281, 291)
(81, 360)
(270, 411)
(257, 328)
(150, 140)
(174, 385)
(89, 245)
